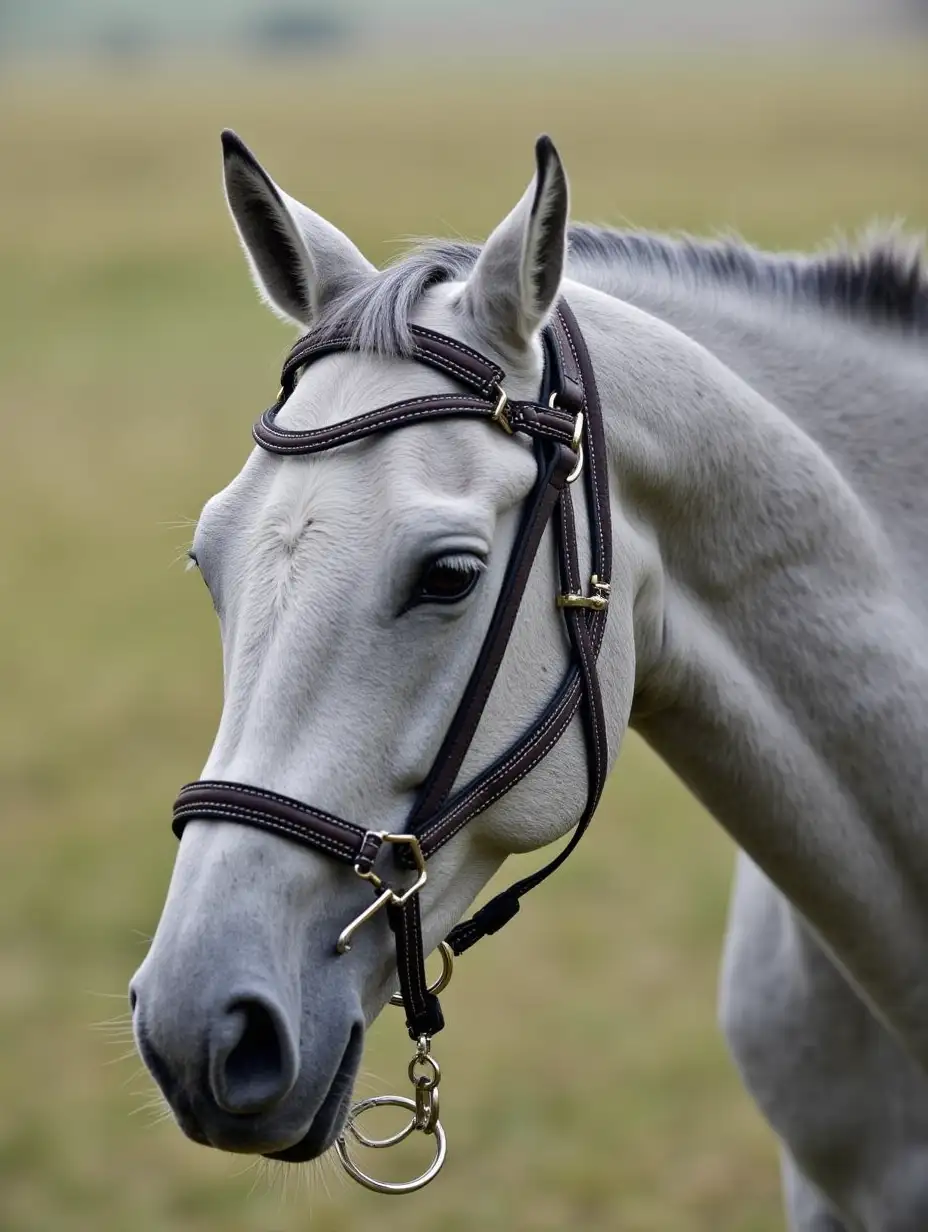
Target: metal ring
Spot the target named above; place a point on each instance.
(423, 1080)
(390, 1187)
(378, 1144)
(499, 415)
(575, 473)
(447, 969)
(427, 1108)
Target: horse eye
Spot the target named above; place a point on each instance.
(448, 579)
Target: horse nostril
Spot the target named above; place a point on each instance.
(253, 1063)
(257, 1055)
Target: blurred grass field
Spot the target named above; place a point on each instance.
(133, 358)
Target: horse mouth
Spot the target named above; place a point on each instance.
(330, 1119)
(195, 1120)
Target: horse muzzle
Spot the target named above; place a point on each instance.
(237, 1079)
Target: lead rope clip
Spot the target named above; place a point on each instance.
(425, 1075)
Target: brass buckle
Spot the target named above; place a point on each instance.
(386, 893)
(499, 415)
(597, 602)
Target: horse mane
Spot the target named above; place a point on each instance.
(883, 279)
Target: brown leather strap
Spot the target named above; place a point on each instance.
(423, 1009)
(568, 338)
(438, 351)
(438, 814)
(460, 733)
(586, 628)
(571, 392)
(524, 417)
(266, 810)
(520, 758)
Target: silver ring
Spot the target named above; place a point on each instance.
(447, 970)
(377, 1144)
(370, 1182)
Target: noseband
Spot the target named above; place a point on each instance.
(566, 430)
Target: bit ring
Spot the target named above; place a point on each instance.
(447, 970)
(371, 1182)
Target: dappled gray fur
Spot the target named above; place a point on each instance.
(883, 279)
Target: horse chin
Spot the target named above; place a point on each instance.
(330, 1120)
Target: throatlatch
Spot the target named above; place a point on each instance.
(565, 427)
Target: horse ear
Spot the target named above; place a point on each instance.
(515, 282)
(297, 259)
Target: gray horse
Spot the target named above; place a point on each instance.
(768, 636)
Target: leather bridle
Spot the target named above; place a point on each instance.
(566, 430)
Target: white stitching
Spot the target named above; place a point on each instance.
(527, 554)
(570, 539)
(543, 752)
(265, 821)
(539, 744)
(593, 460)
(497, 371)
(557, 340)
(463, 400)
(294, 440)
(413, 935)
(194, 807)
(299, 358)
(538, 734)
(444, 364)
(570, 703)
(594, 464)
(589, 676)
(540, 427)
(407, 932)
(573, 351)
(274, 797)
(569, 532)
(329, 437)
(193, 811)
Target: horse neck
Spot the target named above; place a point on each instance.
(790, 690)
